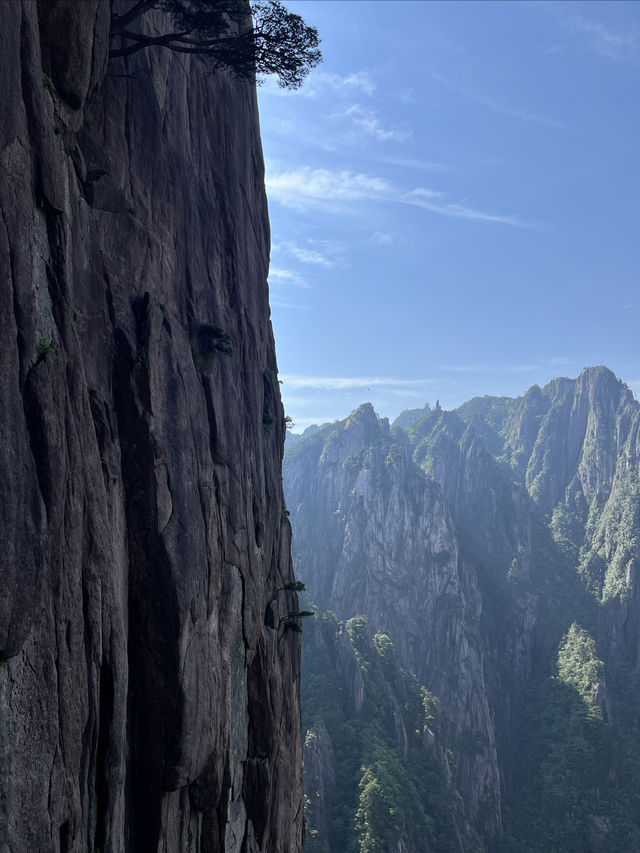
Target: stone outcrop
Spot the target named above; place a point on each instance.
(148, 700)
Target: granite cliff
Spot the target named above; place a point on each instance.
(496, 545)
(148, 700)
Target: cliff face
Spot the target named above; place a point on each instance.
(146, 699)
(497, 545)
(376, 537)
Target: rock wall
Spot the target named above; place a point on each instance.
(376, 537)
(148, 701)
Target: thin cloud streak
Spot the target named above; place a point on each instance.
(421, 165)
(341, 383)
(308, 187)
(419, 199)
(302, 423)
(498, 105)
(489, 368)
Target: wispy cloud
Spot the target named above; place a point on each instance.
(306, 187)
(311, 256)
(368, 121)
(420, 165)
(420, 199)
(489, 368)
(422, 193)
(341, 383)
(381, 238)
(561, 361)
(302, 423)
(498, 104)
(621, 46)
(357, 81)
(282, 276)
(301, 187)
(307, 254)
(362, 80)
(553, 49)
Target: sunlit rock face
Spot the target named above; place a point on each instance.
(147, 699)
(374, 536)
(475, 538)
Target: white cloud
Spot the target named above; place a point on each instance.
(421, 165)
(359, 80)
(306, 187)
(310, 256)
(465, 212)
(341, 383)
(622, 46)
(294, 188)
(304, 254)
(302, 423)
(422, 193)
(316, 253)
(490, 368)
(380, 238)
(368, 120)
(282, 276)
(560, 361)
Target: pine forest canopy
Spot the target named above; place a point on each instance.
(270, 41)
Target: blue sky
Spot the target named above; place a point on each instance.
(455, 202)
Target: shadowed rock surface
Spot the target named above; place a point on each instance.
(148, 701)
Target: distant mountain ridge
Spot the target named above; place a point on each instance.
(483, 541)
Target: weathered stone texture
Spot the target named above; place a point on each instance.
(144, 703)
(377, 538)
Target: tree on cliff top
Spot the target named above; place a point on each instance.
(271, 41)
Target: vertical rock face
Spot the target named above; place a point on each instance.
(376, 537)
(147, 700)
